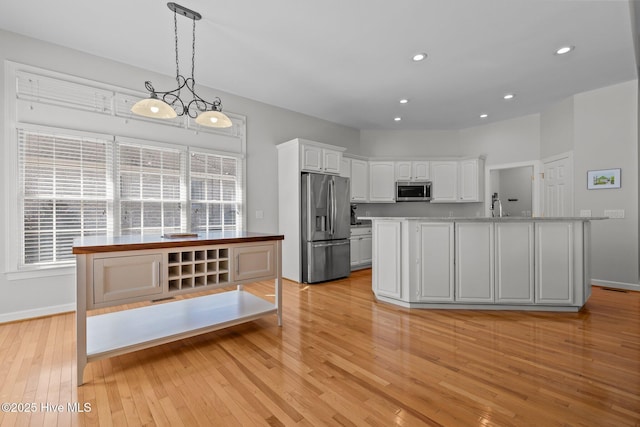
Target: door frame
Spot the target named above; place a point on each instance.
(536, 185)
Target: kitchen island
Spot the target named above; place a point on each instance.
(119, 270)
(508, 263)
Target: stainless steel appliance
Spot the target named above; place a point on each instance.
(413, 191)
(325, 227)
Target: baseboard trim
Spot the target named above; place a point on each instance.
(616, 285)
(36, 312)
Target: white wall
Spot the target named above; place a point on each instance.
(557, 129)
(606, 136)
(507, 141)
(26, 296)
(413, 143)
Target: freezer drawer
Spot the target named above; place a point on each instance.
(326, 260)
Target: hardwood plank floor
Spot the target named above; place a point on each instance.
(341, 358)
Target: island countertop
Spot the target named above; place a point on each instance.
(97, 244)
(486, 219)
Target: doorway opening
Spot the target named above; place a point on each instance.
(516, 186)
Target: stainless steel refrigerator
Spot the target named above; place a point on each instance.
(325, 227)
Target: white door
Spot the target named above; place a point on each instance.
(558, 186)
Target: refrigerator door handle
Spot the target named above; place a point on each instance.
(326, 244)
(334, 208)
(330, 207)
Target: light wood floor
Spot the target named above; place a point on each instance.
(343, 359)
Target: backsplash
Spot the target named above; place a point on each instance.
(421, 209)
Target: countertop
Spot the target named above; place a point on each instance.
(96, 244)
(489, 219)
(361, 224)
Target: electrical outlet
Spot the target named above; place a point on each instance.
(585, 212)
(259, 214)
(614, 213)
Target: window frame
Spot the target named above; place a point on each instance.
(113, 123)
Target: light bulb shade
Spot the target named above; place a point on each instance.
(154, 108)
(214, 119)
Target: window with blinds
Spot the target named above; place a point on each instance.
(216, 186)
(72, 180)
(151, 186)
(65, 192)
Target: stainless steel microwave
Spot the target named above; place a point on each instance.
(413, 191)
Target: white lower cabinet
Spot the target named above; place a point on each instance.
(361, 247)
(474, 254)
(554, 271)
(119, 278)
(387, 244)
(435, 260)
(525, 265)
(254, 262)
(514, 262)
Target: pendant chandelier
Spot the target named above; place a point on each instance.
(167, 105)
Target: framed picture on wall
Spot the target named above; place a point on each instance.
(604, 178)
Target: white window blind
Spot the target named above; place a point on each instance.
(152, 190)
(64, 191)
(216, 192)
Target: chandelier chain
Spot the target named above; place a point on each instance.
(175, 32)
(193, 52)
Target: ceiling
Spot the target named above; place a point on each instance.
(349, 62)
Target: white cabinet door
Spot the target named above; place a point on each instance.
(403, 171)
(366, 250)
(412, 171)
(474, 261)
(444, 176)
(331, 161)
(382, 181)
(345, 167)
(355, 251)
(514, 262)
(470, 180)
(554, 274)
(118, 278)
(387, 265)
(436, 260)
(359, 180)
(311, 158)
(254, 262)
(420, 170)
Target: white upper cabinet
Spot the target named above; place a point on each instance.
(319, 159)
(359, 180)
(457, 181)
(331, 161)
(412, 170)
(345, 167)
(382, 181)
(471, 179)
(444, 176)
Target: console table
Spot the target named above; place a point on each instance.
(119, 270)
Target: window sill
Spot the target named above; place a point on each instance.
(41, 272)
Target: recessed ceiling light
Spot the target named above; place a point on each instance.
(509, 96)
(404, 101)
(484, 116)
(564, 49)
(397, 119)
(419, 57)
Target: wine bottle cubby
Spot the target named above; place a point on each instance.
(197, 268)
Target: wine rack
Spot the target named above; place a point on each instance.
(197, 267)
